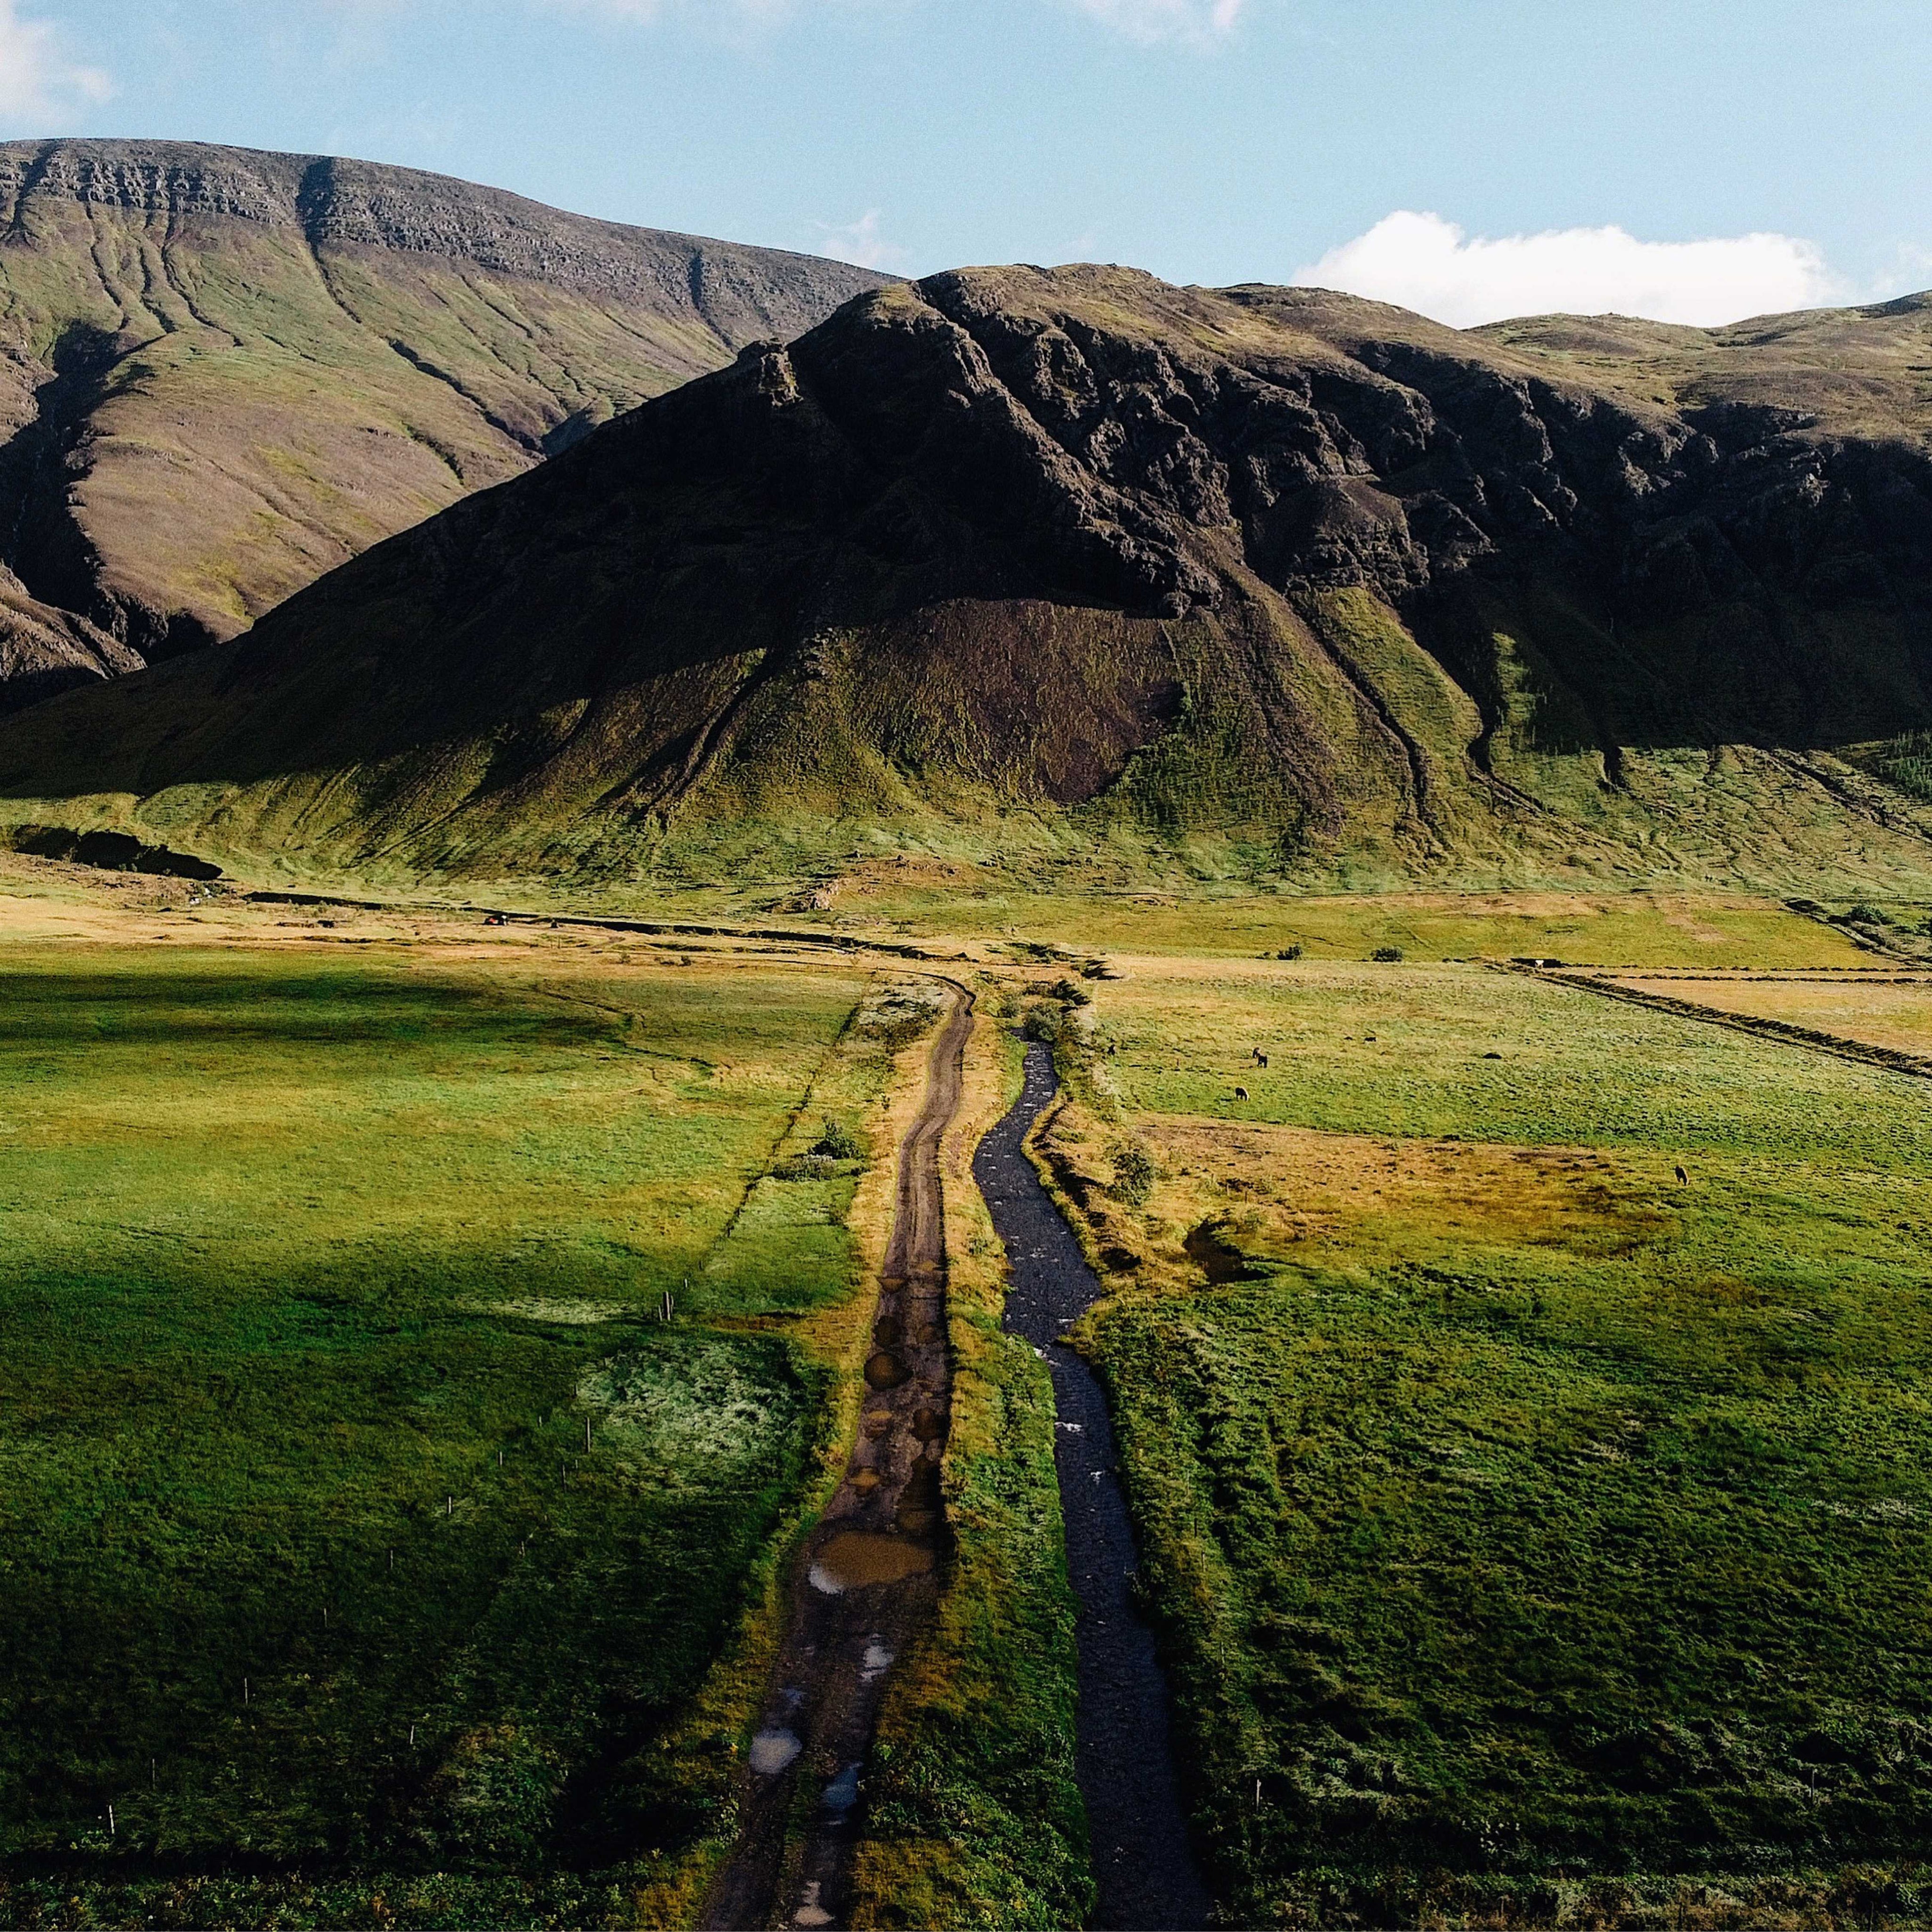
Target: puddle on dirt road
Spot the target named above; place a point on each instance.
(1143, 1863)
(773, 1750)
(868, 1580)
(855, 1558)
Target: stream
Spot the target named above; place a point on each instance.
(1143, 1863)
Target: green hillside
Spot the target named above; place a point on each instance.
(1103, 581)
(227, 373)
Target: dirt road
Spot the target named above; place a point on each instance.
(868, 1578)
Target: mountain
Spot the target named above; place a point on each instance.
(223, 373)
(1077, 569)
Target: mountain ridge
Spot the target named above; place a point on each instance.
(1073, 565)
(223, 371)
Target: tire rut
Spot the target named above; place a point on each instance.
(867, 1579)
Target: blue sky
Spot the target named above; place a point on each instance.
(1483, 157)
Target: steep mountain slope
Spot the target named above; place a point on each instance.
(223, 373)
(1078, 565)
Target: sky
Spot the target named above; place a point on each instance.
(1684, 160)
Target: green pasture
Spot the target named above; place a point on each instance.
(1638, 928)
(1490, 1056)
(357, 1517)
(1569, 1575)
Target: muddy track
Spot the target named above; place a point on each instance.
(867, 1579)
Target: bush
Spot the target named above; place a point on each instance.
(1042, 1023)
(1133, 1171)
(838, 1142)
(1387, 955)
(1071, 993)
(806, 1167)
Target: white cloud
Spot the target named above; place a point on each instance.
(1148, 21)
(38, 82)
(860, 242)
(1425, 263)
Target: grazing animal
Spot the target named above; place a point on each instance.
(1261, 1058)
(1240, 1093)
(1683, 1179)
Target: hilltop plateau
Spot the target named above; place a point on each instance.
(223, 373)
(1075, 569)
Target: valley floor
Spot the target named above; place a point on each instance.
(1522, 1397)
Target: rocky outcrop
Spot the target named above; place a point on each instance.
(44, 649)
(736, 291)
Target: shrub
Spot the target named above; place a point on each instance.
(1387, 955)
(806, 1167)
(1071, 993)
(1133, 1171)
(838, 1142)
(1042, 1023)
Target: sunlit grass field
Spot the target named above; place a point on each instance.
(1533, 1532)
(1861, 1007)
(1631, 929)
(360, 1517)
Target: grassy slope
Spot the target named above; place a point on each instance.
(978, 730)
(262, 423)
(1536, 1529)
(297, 1246)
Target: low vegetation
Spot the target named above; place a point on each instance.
(368, 1534)
(1519, 1393)
(1521, 1396)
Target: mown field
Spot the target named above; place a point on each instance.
(1872, 1008)
(366, 1535)
(1537, 1537)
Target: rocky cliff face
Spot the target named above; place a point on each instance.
(222, 372)
(1080, 556)
(735, 292)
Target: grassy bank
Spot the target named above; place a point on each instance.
(1538, 1536)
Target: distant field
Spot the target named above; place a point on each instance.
(1628, 929)
(1896, 1015)
(360, 1519)
(1528, 1526)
